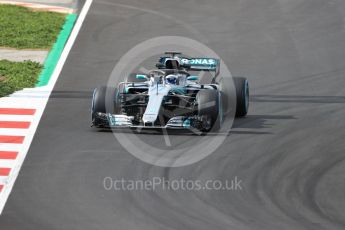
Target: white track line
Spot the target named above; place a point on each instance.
(69, 45)
(3, 180)
(6, 117)
(41, 104)
(10, 147)
(7, 163)
(14, 132)
(13, 102)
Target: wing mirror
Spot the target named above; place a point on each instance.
(141, 76)
(193, 78)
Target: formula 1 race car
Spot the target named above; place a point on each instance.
(171, 97)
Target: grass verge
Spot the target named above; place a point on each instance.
(15, 76)
(23, 28)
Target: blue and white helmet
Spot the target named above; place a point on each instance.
(171, 79)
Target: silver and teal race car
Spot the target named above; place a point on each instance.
(172, 97)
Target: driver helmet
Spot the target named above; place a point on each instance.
(171, 80)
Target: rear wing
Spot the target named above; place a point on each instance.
(210, 64)
(194, 64)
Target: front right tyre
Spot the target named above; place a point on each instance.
(208, 109)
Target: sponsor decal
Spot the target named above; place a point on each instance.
(199, 61)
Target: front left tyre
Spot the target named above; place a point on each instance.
(103, 101)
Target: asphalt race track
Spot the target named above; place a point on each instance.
(289, 151)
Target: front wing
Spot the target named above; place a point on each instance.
(108, 120)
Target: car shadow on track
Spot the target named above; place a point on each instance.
(297, 99)
(259, 121)
(70, 94)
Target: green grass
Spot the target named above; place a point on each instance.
(23, 28)
(17, 75)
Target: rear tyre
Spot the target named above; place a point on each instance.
(242, 96)
(132, 77)
(104, 100)
(208, 109)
